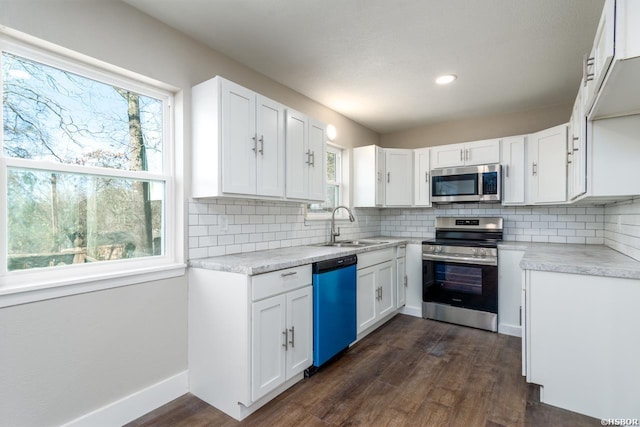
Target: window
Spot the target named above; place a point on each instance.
(86, 167)
(334, 186)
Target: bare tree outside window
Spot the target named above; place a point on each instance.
(66, 133)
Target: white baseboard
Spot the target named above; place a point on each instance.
(513, 330)
(135, 405)
(411, 311)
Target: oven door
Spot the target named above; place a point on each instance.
(460, 284)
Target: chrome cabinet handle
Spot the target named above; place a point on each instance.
(461, 155)
(586, 63)
(426, 177)
(286, 339)
(293, 337)
(405, 281)
(388, 176)
(308, 154)
(261, 150)
(569, 156)
(291, 273)
(506, 171)
(466, 154)
(313, 159)
(534, 168)
(255, 144)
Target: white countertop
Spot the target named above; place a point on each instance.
(594, 260)
(252, 263)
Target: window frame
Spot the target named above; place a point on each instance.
(20, 286)
(343, 179)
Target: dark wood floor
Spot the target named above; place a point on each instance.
(410, 372)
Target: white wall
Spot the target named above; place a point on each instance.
(62, 358)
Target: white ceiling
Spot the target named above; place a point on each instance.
(374, 61)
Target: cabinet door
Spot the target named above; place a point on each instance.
(367, 297)
(549, 165)
(380, 178)
(401, 281)
(446, 156)
(509, 291)
(422, 180)
(297, 155)
(386, 281)
(299, 330)
(482, 152)
(268, 328)
(513, 170)
(399, 178)
(239, 142)
(603, 50)
(270, 131)
(317, 172)
(577, 153)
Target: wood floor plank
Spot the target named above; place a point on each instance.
(410, 372)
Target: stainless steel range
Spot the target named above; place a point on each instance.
(460, 272)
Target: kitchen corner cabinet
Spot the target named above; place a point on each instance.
(401, 276)
(368, 176)
(250, 337)
(399, 177)
(466, 154)
(376, 288)
(382, 177)
(305, 157)
(582, 343)
(422, 177)
(548, 165)
(611, 69)
(239, 144)
(514, 155)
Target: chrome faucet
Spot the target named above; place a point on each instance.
(335, 233)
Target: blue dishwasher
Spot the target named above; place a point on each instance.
(334, 307)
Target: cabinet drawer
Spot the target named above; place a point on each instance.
(367, 259)
(276, 282)
(402, 252)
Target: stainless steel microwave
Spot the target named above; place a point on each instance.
(466, 184)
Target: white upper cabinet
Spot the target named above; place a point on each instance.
(238, 148)
(382, 177)
(305, 148)
(612, 67)
(576, 150)
(422, 177)
(467, 154)
(514, 152)
(399, 177)
(548, 165)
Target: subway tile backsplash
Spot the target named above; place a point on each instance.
(549, 224)
(228, 226)
(622, 227)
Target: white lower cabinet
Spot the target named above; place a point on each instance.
(509, 291)
(582, 342)
(250, 337)
(281, 338)
(401, 276)
(376, 290)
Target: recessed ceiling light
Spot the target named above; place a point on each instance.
(446, 79)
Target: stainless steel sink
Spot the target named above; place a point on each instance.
(352, 243)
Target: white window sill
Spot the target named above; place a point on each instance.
(16, 294)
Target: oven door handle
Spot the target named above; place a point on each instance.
(460, 259)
